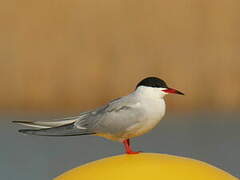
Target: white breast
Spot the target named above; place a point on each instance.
(154, 110)
(151, 107)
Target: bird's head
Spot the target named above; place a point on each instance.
(156, 86)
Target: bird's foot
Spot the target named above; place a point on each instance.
(128, 148)
(133, 152)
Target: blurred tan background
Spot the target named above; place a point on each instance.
(61, 57)
(72, 55)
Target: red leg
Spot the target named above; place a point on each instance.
(127, 146)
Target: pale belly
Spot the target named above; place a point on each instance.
(133, 131)
(145, 124)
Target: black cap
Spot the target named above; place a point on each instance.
(152, 82)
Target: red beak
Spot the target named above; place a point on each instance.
(172, 91)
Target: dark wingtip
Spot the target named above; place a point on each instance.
(21, 122)
(22, 131)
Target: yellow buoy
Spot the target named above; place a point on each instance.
(146, 166)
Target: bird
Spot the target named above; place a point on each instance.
(119, 120)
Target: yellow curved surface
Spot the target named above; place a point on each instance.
(146, 166)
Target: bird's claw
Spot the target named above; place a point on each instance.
(133, 152)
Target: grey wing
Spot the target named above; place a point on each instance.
(65, 130)
(114, 118)
(64, 127)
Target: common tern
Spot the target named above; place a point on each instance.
(121, 119)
